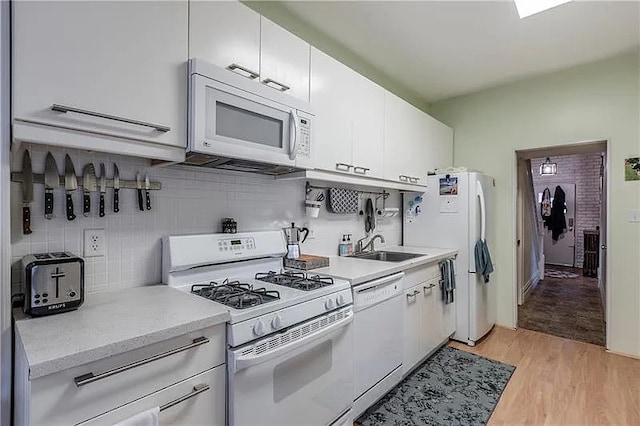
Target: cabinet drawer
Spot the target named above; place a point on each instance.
(73, 395)
(199, 400)
(421, 274)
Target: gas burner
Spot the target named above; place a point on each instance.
(296, 280)
(235, 294)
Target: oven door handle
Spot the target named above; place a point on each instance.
(243, 362)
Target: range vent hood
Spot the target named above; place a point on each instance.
(248, 166)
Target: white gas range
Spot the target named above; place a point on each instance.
(290, 344)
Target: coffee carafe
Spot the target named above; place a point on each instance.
(293, 235)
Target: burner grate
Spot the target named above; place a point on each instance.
(296, 280)
(235, 294)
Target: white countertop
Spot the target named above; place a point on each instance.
(112, 323)
(358, 271)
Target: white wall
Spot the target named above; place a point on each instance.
(191, 201)
(591, 102)
(5, 250)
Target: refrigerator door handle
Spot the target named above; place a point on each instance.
(483, 211)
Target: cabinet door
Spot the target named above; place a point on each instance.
(414, 349)
(367, 113)
(122, 59)
(332, 140)
(284, 60)
(225, 33)
(402, 132)
(439, 139)
(432, 316)
(447, 314)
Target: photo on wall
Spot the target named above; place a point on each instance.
(632, 168)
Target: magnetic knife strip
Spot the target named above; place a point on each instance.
(124, 184)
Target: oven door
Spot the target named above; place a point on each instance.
(231, 122)
(307, 381)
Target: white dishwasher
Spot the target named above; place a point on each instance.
(378, 333)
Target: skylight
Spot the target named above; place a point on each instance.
(531, 7)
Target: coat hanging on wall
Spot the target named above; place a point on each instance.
(557, 219)
(545, 207)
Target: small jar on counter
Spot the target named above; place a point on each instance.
(229, 226)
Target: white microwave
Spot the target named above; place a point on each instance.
(237, 123)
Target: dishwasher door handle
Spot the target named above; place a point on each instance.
(371, 285)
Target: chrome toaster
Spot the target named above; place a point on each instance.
(53, 282)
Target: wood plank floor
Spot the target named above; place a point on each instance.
(561, 382)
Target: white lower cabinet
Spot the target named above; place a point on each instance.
(199, 400)
(123, 385)
(428, 322)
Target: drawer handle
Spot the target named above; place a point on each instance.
(414, 294)
(281, 86)
(197, 389)
(252, 74)
(360, 170)
(343, 167)
(425, 288)
(85, 379)
(64, 109)
(403, 178)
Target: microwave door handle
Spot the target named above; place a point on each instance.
(293, 140)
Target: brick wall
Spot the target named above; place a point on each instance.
(583, 170)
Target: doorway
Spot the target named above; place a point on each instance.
(561, 207)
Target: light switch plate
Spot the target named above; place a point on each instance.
(634, 216)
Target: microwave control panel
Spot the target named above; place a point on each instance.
(304, 137)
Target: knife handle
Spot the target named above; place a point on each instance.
(86, 203)
(48, 204)
(26, 220)
(148, 198)
(116, 200)
(140, 202)
(70, 214)
(101, 204)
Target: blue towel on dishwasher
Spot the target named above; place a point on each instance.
(484, 266)
(447, 280)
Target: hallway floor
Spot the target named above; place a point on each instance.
(565, 307)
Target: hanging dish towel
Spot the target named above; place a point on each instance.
(343, 201)
(369, 218)
(146, 418)
(447, 280)
(484, 266)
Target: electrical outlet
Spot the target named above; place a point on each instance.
(94, 242)
(312, 234)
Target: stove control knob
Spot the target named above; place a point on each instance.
(340, 300)
(329, 304)
(276, 322)
(258, 328)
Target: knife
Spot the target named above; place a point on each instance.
(27, 193)
(116, 189)
(147, 186)
(139, 186)
(70, 185)
(88, 186)
(103, 187)
(51, 182)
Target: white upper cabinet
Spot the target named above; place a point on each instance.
(404, 144)
(226, 34)
(118, 69)
(284, 60)
(439, 144)
(348, 133)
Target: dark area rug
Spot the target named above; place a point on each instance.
(565, 307)
(453, 387)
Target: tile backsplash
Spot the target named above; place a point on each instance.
(192, 200)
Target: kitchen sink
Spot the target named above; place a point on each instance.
(386, 256)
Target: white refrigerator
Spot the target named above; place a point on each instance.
(454, 213)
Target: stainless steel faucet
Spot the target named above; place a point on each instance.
(369, 245)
